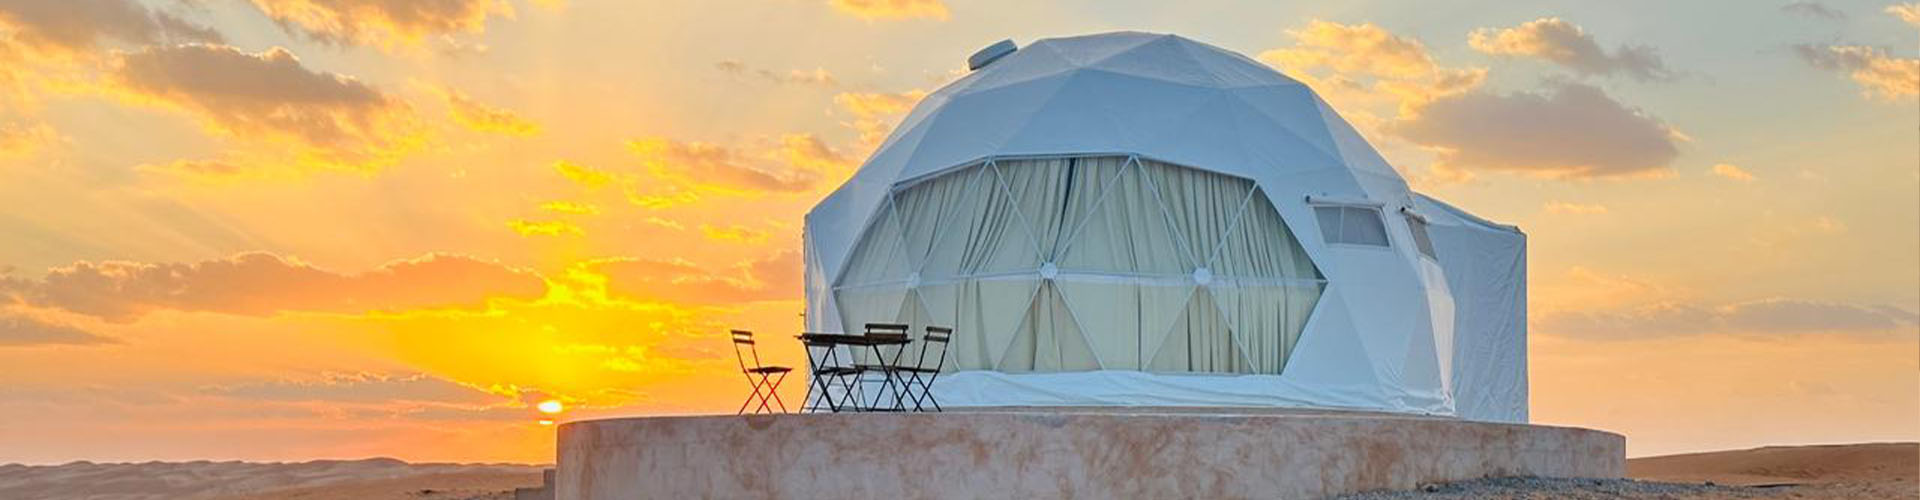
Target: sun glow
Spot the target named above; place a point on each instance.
(550, 407)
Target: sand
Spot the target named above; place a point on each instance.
(1854, 471)
(1862, 471)
(376, 478)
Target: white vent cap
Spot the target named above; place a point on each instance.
(990, 54)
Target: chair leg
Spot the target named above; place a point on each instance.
(775, 391)
(928, 385)
(751, 397)
(772, 387)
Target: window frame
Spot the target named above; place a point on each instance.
(1316, 203)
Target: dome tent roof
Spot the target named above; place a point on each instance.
(1160, 96)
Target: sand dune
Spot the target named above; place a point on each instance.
(375, 478)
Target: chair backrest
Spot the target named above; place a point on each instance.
(743, 339)
(887, 329)
(935, 335)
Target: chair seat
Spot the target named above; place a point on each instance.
(769, 369)
(835, 370)
(879, 368)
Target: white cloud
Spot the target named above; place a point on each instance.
(1879, 74)
(1565, 44)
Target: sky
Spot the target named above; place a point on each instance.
(298, 229)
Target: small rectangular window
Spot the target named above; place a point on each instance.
(1351, 225)
(1420, 238)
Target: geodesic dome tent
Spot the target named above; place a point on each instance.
(1142, 219)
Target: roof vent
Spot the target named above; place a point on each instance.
(990, 54)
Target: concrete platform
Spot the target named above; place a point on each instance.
(1060, 453)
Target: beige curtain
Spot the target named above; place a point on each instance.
(1067, 264)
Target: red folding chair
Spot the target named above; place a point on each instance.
(766, 384)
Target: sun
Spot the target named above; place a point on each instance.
(550, 407)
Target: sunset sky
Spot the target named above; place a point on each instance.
(295, 229)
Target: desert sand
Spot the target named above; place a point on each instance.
(1863, 471)
(1851, 471)
(373, 479)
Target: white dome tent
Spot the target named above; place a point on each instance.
(1142, 219)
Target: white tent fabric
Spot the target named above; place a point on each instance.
(926, 232)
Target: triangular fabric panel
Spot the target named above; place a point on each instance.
(989, 312)
(1261, 245)
(926, 210)
(1203, 206)
(1266, 320)
(1049, 340)
(1200, 341)
(1126, 232)
(1119, 317)
(882, 254)
(1054, 194)
(984, 236)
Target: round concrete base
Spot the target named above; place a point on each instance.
(1060, 453)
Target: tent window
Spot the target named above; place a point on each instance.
(1420, 237)
(1351, 225)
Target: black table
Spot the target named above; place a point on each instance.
(823, 365)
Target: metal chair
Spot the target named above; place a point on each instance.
(886, 368)
(935, 335)
(762, 376)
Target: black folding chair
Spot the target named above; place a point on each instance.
(762, 376)
(922, 373)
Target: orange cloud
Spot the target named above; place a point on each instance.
(777, 277)
(73, 27)
(1561, 207)
(818, 76)
(583, 175)
(1565, 44)
(568, 207)
(1909, 12)
(20, 140)
(18, 329)
(1879, 74)
(875, 113)
(1777, 316)
(480, 117)
(1364, 62)
(734, 233)
(682, 171)
(388, 24)
(334, 121)
(1571, 131)
(262, 284)
(544, 228)
(1731, 171)
(893, 9)
(713, 165)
